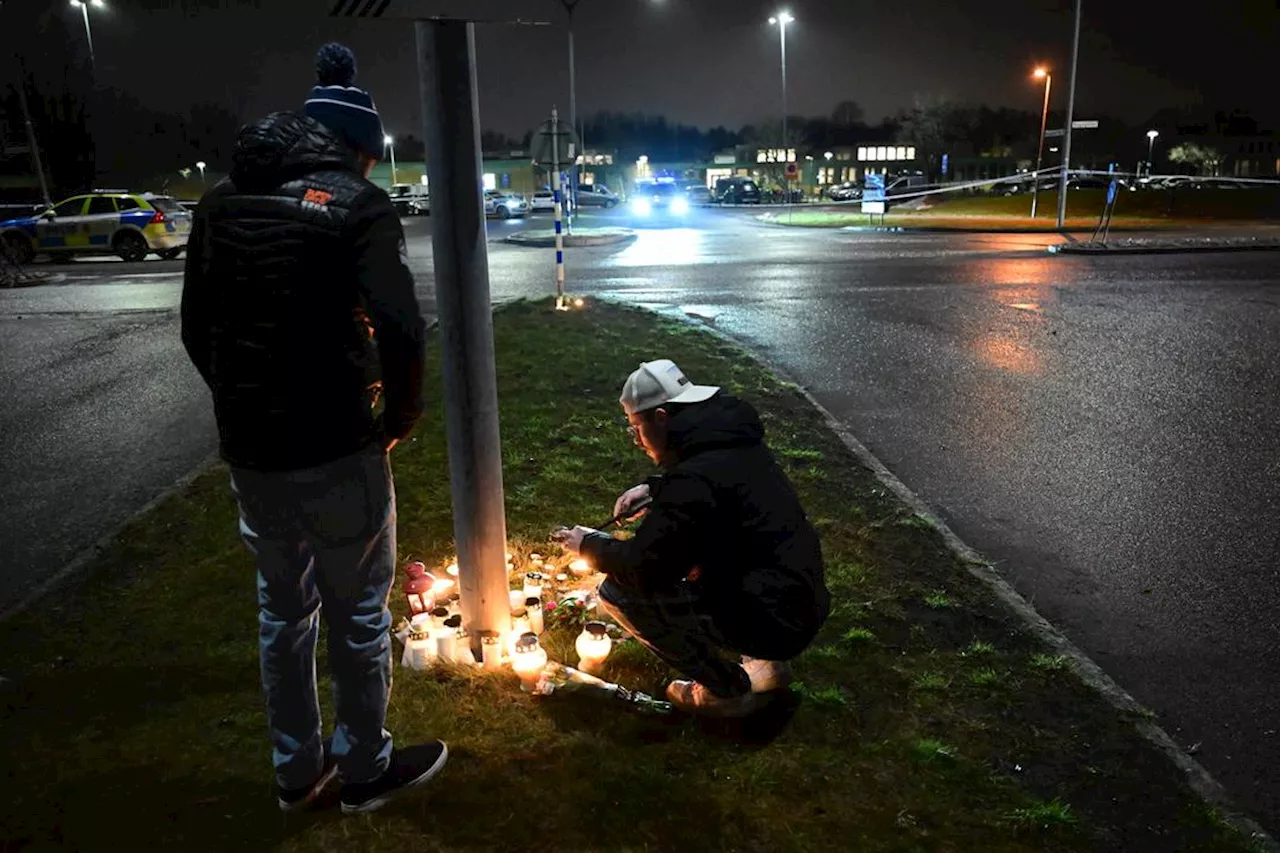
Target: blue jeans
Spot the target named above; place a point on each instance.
(324, 536)
(676, 625)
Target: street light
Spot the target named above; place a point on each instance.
(1151, 144)
(781, 20)
(83, 6)
(200, 165)
(1044, 119)
(390, 142)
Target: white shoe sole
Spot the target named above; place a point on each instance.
(380, 801)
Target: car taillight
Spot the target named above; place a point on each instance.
(158, 218)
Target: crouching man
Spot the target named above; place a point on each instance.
(724, 578)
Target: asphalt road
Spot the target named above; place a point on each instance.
(1102, 428)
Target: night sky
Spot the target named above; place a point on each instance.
(704, 62)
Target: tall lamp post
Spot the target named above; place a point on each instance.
(1071, 115)
(1044, 121)
(1151, 146)
(569, 6)
(200, 164)
(390, 142)
(781, 20)
(83, 6)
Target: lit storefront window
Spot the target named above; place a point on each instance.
(902, 152)
(881, 152)
(862, 153)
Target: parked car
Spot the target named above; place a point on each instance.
(739, 190)
(131, 225)
(410, 199)
(504, 205)
(596, 195)
(545, 201)
(699, 194)
(848, 191)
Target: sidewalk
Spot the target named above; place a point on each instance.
(928, 716)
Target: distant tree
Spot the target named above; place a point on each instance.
(846, 114)
(933, 125)
(498, 142)
(1204, 158)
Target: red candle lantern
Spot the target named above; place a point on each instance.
(417, 589)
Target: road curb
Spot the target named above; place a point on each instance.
(1197, 777)
(87, 555)
(545, 239)
(1086, 249)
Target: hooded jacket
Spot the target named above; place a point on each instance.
(298, 306)
(726, 508)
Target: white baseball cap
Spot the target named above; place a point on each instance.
(659, 382)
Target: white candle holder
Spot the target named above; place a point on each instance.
(528, 660)
(491, 650)
(533, 608)
(593, 646)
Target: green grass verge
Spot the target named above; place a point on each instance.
(924, 719)
(1183, 208)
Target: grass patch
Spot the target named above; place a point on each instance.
(938, 600)
(1050, 663)
(134, 718)
(984, 677)
(978, 649)
(1185, 207)
(1042, 816)
(857, 636)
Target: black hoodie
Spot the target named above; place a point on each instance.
(298, 302)
(725, 507)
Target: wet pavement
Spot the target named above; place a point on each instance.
(1104, 429)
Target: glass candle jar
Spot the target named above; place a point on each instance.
(593, 646)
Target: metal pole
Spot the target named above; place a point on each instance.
(557, 206)
(88, 34)
(1044, 122)
(1071, 114)
(31, 132)
(573, 114)
(782, 34)
(392, 147)
(451, 119)
(1151, 153)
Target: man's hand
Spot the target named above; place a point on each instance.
(622, 506)
(571, 537)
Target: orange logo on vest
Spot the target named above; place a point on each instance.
(317, 197)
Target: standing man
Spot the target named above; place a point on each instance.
(298, 309)
(724, 561)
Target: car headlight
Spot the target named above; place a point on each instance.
(679, 206)
(641, 207)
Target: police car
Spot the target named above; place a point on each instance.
(131, 225)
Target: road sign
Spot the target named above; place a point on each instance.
(565, 143)
(873, 207)
(946, 160)
(793, 171)
(1086, 124)
(873, 188)
(414, 10)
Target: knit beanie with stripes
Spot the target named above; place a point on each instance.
(347, 111)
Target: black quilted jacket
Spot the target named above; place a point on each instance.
(725, 508)
(298, 306)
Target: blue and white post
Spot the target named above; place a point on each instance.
(558, 208)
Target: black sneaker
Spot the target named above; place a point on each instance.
(300, 798)
(409, 768)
